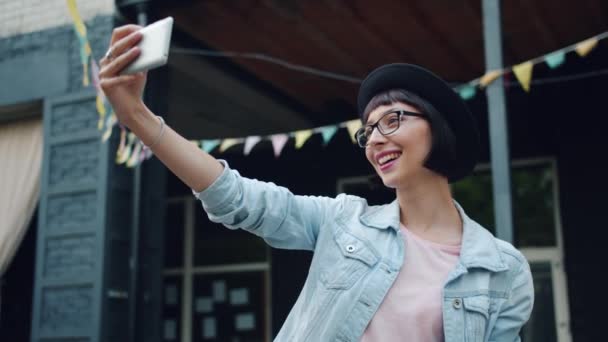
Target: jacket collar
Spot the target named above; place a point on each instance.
(478, 247)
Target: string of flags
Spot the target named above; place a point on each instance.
(523, 71)
(131, 153)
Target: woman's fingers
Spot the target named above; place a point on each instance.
(125, 44)
(109, 83)
(114, 66)
(123, 38)
(123, 31)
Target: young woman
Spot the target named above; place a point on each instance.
(417, 269)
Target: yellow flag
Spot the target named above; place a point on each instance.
(124, 154)
(302, 136)
(584, 47)
(78, 23)
(489, 77)
(121, 145)
(85, 74)
(228, 143)
(523, 72)
(101, 109)
(352, 126)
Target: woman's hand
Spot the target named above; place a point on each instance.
(123, 91)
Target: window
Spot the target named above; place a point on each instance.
(537, 233)
(216, 280)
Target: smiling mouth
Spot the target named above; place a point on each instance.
(388, 158)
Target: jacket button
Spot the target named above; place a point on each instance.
(350, 248)
(457, 303)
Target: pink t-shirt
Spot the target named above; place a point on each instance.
(412, 308)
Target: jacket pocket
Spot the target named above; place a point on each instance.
(347, 262)
(476, 317)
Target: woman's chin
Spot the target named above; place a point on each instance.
(389, 182)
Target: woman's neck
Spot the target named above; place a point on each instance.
(427, 209)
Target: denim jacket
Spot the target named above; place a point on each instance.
(358, 251)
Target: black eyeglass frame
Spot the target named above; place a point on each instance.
(376, 125)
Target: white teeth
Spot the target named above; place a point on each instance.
(388, 157)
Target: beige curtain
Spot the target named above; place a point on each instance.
(20, 164)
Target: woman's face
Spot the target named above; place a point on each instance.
(399, 156)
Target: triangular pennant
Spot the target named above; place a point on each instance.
(228, 143)
(278, 142)
(328, 133)
(126, 152)
(555, 59)
(489, 77)
(134, 158)
(123, 141)
(302, 136)
(250, 142)
(523, 72)
(209, 145)
(584, 47)
(467, 92)
(109, 126)
(352, 127)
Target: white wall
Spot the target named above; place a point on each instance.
(24, 16)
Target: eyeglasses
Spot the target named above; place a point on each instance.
(387, 124)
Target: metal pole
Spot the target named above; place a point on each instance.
(499, 145)
(142, 20)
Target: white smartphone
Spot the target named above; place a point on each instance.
(154, 47)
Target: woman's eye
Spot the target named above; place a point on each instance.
(393, 121)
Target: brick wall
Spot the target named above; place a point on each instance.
(25, 16)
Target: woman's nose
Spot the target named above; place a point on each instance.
(376, 137)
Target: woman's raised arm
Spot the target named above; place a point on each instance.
(194, 167)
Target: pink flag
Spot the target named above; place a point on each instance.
(278, 142)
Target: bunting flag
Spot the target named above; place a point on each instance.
(555, 59)
(134, 158)
(110, 122)
(250, 142)
(278, 142)
(228, 143)
(122, 143)
(467, 92)
(523, 72)
(583, 48)
(100, 99)
(209, 145)
(126, 151)
(302, 136)
(352, 127)
(328, 132)
(489, 77)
